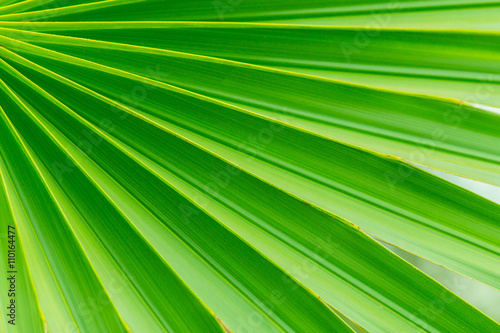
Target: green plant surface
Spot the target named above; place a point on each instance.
(401, 124)
(26, 295)
(234, 166)
(451, 14)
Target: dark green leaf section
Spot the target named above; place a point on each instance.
(402, 60)
(444, 134)
(174, 305)
(404, 51)
(70, 267)
(210, 156)
(391, 194)
(28, 316)
(252, 274)
(361, 13)
(354, 258)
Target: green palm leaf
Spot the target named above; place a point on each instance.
(169, 172)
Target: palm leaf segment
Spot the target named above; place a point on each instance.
(204, 166)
